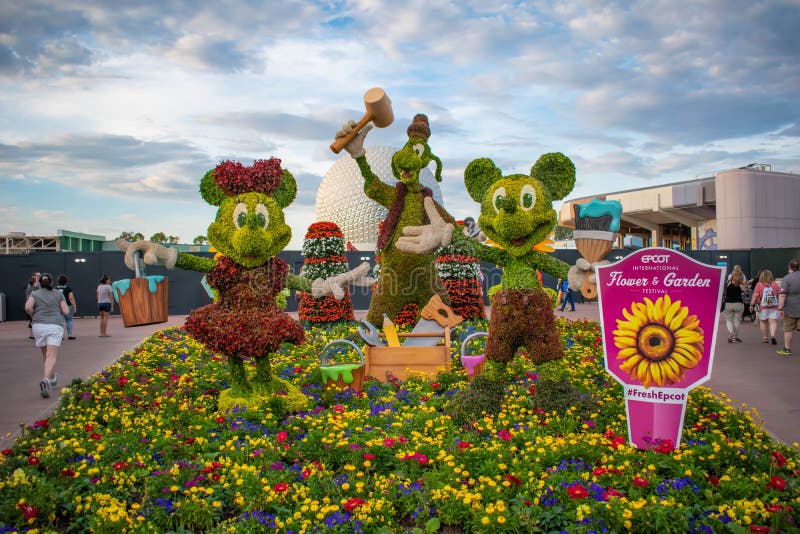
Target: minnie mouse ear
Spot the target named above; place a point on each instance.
(210, 191)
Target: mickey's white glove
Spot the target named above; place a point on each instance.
(322, 287)
(355, 147)
(426, 238)
(152, 253)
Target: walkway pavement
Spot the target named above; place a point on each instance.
(750, 373)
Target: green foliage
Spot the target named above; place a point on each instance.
(191, 262)
(158, 237)
(287, 191)
(553, 294)
(561, 396)
(562, 233)
(200, 240)
(210, 191)
(484, 395)
(479, 175)
(557, 172)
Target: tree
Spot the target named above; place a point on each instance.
(130, 236)
(159, 237)
(200, 240)
(173, 239)
(562, 233)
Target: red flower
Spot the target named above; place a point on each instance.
(41, 423)
(759, 528)
(88, 428)
(617, 442)
(120, 465)
(28, 510)
(599, 471)
(353, 503)
(504, 434)
(122, 381)
(665, 447)
(95, 436)
(514, 480)
(777, 483)
(69, 473)
(640, 482)
(435, 385)
(713, 480)
(778, 458)
(280, 487)
(464, 445)
(774, 508)
(388, 443)
(33, 460)
(609, 493)
(576, 491)
(281, 436)
(338, 408)
(220, 419)
(7, 452)
(369, 456)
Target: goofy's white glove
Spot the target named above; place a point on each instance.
(355, 147)
(426, 238)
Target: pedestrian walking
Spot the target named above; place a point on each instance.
(47, 309)
(789, 305)
(105, 303)
(69, 297)
(766, 296)
(734, 306)
(567, 293)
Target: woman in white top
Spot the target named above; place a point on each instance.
(105, 303)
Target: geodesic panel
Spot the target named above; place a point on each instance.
(341, 198)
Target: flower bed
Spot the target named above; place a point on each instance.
(141, 447)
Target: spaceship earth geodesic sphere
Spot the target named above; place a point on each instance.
(341, 198)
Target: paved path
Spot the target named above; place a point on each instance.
(748, 372)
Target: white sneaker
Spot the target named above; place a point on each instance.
(44, 388)
(53, 381)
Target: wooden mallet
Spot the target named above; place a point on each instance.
(379, 111)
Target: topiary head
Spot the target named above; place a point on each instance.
(250, 227)
(517, 210)
(416, 154)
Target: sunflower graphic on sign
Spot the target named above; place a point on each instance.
(658, 341)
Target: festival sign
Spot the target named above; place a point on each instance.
(659, 311)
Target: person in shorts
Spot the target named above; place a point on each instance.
(789, 305)
(766, 296)
(47, 309)
(105, 303)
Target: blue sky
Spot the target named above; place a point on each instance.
(110, 116)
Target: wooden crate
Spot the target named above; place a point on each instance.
(399, 360)
(138, 306)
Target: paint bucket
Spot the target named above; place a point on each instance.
(341, 375)
(472, 364)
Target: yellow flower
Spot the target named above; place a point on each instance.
(659, 341)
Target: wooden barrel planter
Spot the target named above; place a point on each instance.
(341, 375)
(142, 300)
(472, 364)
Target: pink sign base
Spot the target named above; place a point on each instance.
(650, 423)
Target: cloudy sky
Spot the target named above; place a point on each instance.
(110, 116)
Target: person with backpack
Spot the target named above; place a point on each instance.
(567, 293)
(766, 296)
(69, 297)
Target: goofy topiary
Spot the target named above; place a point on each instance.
(408, 278)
